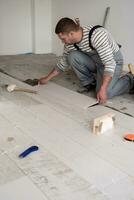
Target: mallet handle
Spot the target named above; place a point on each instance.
(25, 90)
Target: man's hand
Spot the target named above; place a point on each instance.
(102, 96)
(52, 74)
(43, 81)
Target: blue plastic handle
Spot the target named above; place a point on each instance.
(28, 151)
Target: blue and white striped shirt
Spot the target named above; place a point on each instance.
(103, 43)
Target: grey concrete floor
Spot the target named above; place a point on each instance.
(26, 66)
(23, 67)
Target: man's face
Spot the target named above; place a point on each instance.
(67, 38)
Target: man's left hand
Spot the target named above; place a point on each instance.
(102, 96)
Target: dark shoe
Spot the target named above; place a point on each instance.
(131, 91)
(90, 86)
(86, 88)
(131, 77)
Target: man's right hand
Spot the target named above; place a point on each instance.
(52, 74)
(43, 81)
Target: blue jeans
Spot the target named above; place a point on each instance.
(88, 67)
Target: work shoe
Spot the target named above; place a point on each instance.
(131, 69)
(131, 91)
(86, 88)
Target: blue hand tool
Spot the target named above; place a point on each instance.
(28, 151)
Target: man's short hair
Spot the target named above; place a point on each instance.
(65, 25)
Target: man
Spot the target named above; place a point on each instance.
(95, 58)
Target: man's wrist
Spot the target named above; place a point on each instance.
(103, 87)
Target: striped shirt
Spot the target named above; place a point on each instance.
(103, 43)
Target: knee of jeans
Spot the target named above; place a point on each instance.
(72, 57)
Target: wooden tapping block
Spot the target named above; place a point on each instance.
(131, 68)
(103, 123)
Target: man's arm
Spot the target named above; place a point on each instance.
(102, 42)
(102, 94)
(61, 66)
(51, 75)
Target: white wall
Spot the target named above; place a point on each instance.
(25, 26)
(42, 24)
(28, 25)
(120, 20)
(15, 26)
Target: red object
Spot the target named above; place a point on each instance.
(129, 137)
